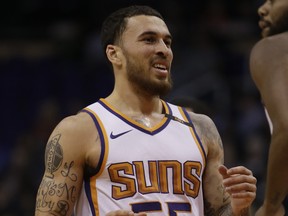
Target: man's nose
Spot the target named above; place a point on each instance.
(163, 48)
(263, 10)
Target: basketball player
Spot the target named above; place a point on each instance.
(269, 70)
(132, 153)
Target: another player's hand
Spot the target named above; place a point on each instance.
(125, 213)
(262, 211)
(240, 183)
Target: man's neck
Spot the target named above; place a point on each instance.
(129, 103)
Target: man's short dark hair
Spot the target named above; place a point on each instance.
(115, 24)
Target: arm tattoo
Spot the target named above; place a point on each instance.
(207, 130)
(225, 210)
(66, 172)
(53, 156)
(55, 197)
(49, 189)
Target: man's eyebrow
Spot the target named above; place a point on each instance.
(167, 36)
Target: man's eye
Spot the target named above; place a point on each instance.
(149, 40)
(168, 43)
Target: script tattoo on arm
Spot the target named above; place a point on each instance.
(56, 197)
(66, 171)
(48, 190)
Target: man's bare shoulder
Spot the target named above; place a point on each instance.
(267, 56)
(76, 132)
(272, 46)
(203, 123)
(206, 129)
(78, 124)
(277, 39)
(200, 118)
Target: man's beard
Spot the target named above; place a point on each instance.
(144, 84)
(280, 26)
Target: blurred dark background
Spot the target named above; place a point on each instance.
(51, 66)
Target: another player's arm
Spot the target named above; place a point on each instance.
(216, 200)
(269, 70)
(65, 157)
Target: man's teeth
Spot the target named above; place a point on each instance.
(160, 66)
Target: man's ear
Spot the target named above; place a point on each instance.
(113, 54)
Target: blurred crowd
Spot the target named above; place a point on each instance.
(52, 65)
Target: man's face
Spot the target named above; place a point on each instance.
(273, 17)
(146, 46)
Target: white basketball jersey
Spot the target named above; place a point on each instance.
(155, 170)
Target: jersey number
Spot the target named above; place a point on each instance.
(173, 207)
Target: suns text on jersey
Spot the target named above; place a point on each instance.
(168, 176)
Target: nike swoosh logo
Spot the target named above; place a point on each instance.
(114, 136)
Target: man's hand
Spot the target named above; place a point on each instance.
(240, 183)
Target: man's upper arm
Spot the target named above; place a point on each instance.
(64, 165)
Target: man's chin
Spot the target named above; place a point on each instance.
(265, 33)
